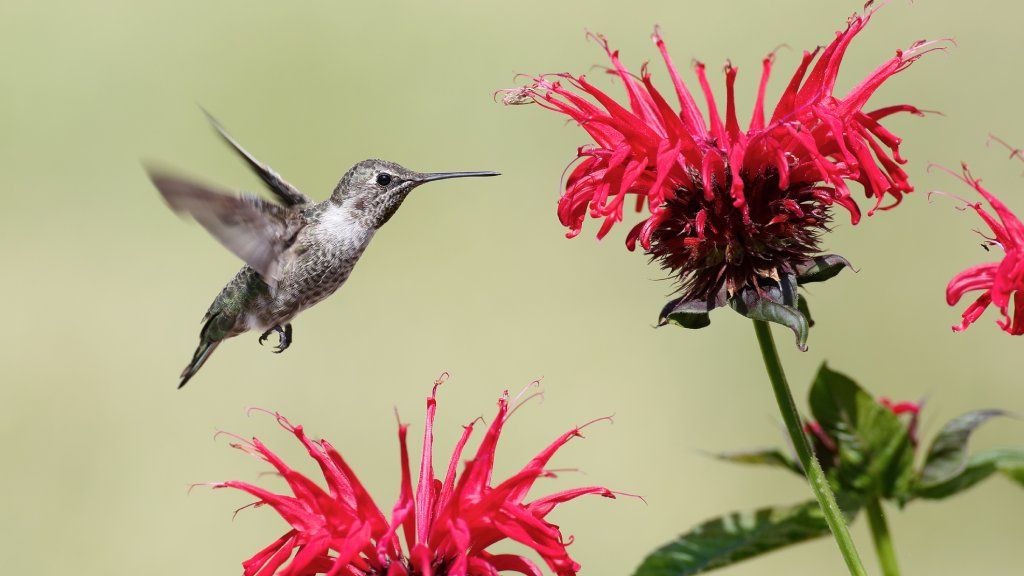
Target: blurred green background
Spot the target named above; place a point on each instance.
(104, 287)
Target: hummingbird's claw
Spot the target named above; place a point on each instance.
(284, 338)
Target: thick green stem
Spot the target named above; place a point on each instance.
(883, 540)
(815, 475)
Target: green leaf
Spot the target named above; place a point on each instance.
(690, 313)
(776, 303)
(785, 290)
(947, 456)
(1009, 461)
(766, 457)
(875, 452)
(801, 305)
(900, 486)
(897, 479)
(820, 268)
(738, 536)
(1014, 471)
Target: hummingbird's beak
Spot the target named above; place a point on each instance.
(446, 175)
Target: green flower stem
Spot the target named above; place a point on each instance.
(815, 475)
(883, 541)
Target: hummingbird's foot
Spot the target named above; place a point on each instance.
(265, 335)
(284, 339)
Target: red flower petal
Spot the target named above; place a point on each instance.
(681, 165)
(997, 281)
(448, 525)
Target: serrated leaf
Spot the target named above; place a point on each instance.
(755, 306)
(766, 457)
(820, 268)
(1009, 461)
(691, 313)
(737, 536)
(947, 456)
(875, 452)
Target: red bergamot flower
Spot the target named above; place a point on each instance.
(447, 524)
(997, 281)
(730, 209)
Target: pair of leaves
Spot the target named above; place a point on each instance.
(739, 536)
(875, 452)
(772, 300)
(947, 456)
(949, 469)
(875, 457)
(978, 467)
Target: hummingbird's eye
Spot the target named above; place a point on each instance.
(383, 179)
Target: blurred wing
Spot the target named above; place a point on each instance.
(288, 194)
(255, 230)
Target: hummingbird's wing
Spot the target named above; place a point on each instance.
(289, 195)
(257, 231)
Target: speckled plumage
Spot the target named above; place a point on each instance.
(318, 263)
(297, 251)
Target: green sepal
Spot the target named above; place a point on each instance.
(805, 309)
(820, 268)
(1009, 461)
(875, 451)
(723, 541)
(774, 302)
(765, 457)
(947, 457)
(693, 313)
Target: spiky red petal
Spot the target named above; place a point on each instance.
(997, 282)
(447, 525)
(727, 205)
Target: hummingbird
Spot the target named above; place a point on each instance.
(296, 251)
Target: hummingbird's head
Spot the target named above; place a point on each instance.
(374, 189)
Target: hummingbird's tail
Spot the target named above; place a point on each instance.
(206, 347)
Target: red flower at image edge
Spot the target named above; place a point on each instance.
(997, 281)
(729, 207)
(447, 524)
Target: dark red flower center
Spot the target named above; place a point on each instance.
(711, 244)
